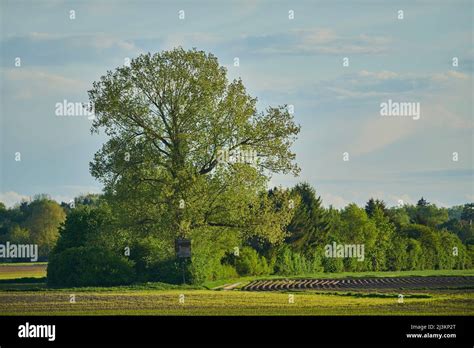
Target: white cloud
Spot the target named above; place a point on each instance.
(381, 75)
(439, 95)
(451, 74)
(314, 41)
(64, 193)
(27, 83)
(10, 198)
(336, 201)
(188, 40)
(316, 36)
(380, 132)
(405, 199)
(329, 42)
(102, 41)
(246, 7)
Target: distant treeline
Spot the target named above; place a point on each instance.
(88, 244)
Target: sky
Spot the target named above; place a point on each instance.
(289, 52)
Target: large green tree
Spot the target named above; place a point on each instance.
(44, 217)
(187, 148)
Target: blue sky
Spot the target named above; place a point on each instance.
(282, 61)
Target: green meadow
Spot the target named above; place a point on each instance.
(226, 303)
(30, 296)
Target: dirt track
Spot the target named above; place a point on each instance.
(361, 283)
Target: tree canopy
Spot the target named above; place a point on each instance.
(169, 117)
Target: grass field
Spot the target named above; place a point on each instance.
(23, 270)
(32, 297)
(207, 302)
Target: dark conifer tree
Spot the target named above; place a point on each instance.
(422, 202)
(309, 226)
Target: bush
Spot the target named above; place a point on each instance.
(171, 271)
(397, 255)
(333, 264)
(289, 262)
(89, 266)
(85, 226)
(209, 248)
(250, 263)
(226, 272)
(414, 259)
(153, 258)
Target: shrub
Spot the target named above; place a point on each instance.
(333, 264)
(289, 262)
(89, 266)
(85, 226)
(414, 255)
(226, 272)
(171, 271)
(250, 263)
(209, 248)
(397, 254)
(151, 257)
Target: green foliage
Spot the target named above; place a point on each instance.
(35, 222)
(453, 254)
(380, 253)
(168, 117)
(356, 227)
(461, 228)
(209, 247)
(397, 256)
(429, 242)
(309, 225)
(89, 266)
(470, 256)
(415, 231)
(468, 213)
(90, 199)
(151, 256)
(414, 255)
(332, 264)
(43, 221)
(391, 242)
(289, 262)
(250, 263)
(427, 214)
(455, 212)
(374, 204)
(89, 246)
(86, 225)
(399, 217)
(19, 235)
(422, 202)
(226, 272)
